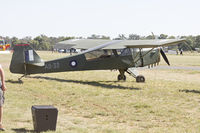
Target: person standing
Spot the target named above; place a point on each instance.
(176, 51)
(2, 90)
(181, 52)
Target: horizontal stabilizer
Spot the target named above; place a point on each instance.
(41, 64)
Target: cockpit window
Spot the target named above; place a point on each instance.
(98, 54)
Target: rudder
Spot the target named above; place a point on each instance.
(23, 54)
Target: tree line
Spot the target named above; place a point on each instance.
(43, 42)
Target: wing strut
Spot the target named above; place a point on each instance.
(115, 52)
(141, 58)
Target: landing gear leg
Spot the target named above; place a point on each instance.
(133, 72)
(121, 76)
(20, 79)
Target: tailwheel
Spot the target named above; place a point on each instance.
(120, 77)
(140, 78)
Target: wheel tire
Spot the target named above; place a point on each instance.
(140, 78)
(119, 77)
(124, 78)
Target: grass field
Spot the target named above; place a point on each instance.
(92, 101)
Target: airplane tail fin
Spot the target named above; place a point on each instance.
(24, 55)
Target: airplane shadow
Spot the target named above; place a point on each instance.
(190, 91)
(23, 130)
(15, 82)
(92, 83)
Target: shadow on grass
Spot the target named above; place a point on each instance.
(190, 91)
(23, 130)
(15, 82)
(92, 83)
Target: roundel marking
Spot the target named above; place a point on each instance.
(73, 63)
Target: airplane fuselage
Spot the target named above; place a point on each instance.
(120, 60)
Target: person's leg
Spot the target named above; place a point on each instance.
(1, 109)
(1, 114)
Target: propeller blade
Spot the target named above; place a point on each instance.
(164, 56)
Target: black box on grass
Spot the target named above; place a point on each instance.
(44, 117)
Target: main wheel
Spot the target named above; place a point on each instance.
(120, 77)
(140, 78)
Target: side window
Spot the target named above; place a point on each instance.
(98, 54)
(125, 52)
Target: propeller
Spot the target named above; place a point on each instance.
(164, 56)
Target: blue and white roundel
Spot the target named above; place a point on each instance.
(73, 63)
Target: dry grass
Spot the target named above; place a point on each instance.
(92, 101)
(189, 59)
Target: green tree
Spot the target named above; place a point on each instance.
(197, 42)
(35, 44)
(189, 45)
(149, 37)
(133, 37)
(94, 36)
(42, 42)
(26, 39)
(162, 36)
(171, 37)
(105, 37)
(15, 40)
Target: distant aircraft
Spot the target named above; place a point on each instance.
(122, 55)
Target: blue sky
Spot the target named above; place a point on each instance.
(22, 18)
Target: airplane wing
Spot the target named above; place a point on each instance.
(152, 43)
(145, 43)
(119, 44)
(82, 43)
